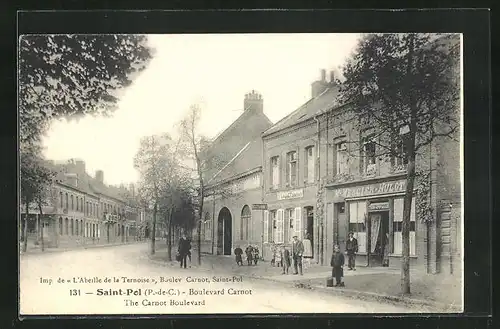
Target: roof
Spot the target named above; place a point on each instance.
(248, 127)
(314, 106)
(247, 159)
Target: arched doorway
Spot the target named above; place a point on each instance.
(224, 232)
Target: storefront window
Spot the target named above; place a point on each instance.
(357, 225)
(398, 227)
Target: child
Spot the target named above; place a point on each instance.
(286, 260)
(238, 252)
(255, 255)
(337, 264)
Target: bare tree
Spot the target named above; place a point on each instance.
(405, 88)
(154, 163)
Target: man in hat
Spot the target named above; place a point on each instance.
(351, 247)
(297, 251)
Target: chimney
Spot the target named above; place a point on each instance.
(253, 102)
(99, 176)
(332, 77)
(71, 179)
(319, 86)
(80, 167)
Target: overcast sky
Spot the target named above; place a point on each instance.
(216, 70)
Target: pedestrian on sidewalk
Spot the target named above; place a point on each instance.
(248, 252)
(237, 253)
(337, 264)
(183, 250)
(286, 261)
(351, 250)
(255, 255)
(297, 252)
(308, 254)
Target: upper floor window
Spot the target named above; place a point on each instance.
(67, 202)
(61, 198)
(369, 156)
(291, 168)
(402, 149)
(341, 157)
(275, 172)
(72, 203)
(309, 170)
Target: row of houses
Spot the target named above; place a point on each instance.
(305, 176)
(81, 209)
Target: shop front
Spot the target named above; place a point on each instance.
(374, 213)
(290, 212)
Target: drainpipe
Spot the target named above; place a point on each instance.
(320, 224)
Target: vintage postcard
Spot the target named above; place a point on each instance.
(240, 173)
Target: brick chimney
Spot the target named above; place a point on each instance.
(253, 102)
(71, 179)
(319, 86)
(99, 176)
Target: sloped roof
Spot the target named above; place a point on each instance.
(314, 106)
(248, 158)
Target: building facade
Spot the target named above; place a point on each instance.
(81, 210)
(234, 183)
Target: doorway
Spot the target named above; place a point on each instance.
(379, 236)
(224, 232)
(310, 225)
(340, 225)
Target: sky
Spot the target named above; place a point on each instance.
(213, 70)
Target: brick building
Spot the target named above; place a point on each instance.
(234, 182)
(324, 176)
(82, 210)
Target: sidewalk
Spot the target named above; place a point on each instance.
(37, 250)
(436, 293)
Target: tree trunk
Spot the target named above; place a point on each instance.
(25, 242)
(40, 225)
(153, 233)
(405, 264)
(169, 242)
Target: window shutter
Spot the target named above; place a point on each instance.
(298, 222)
(266, 226)
(280, 226)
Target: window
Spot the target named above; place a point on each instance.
(60, 225)
(341, 157)
(275, 172)
(67, 203)
(309, 168)
(357, 225)
(289, 223)
(279, 226)
(208, 227)
(66, 228)
(76, 228)
(291, 168)
(246, 217)
(77, 203)
(72, 203)
(369, 149)
(72, 226)
(86, 208)
(398, 227)
(81, 204)
(402, 150)
(61, 199)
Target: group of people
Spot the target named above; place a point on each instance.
(252, 255)
(300, 253)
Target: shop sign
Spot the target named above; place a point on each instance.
(379, 206)
(372, 189)
(259, 206)
(292, 194)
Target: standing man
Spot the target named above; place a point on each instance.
(297, 252)
(184, 246)
(351, 250)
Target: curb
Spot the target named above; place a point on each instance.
(350, 293)
(56, 250)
